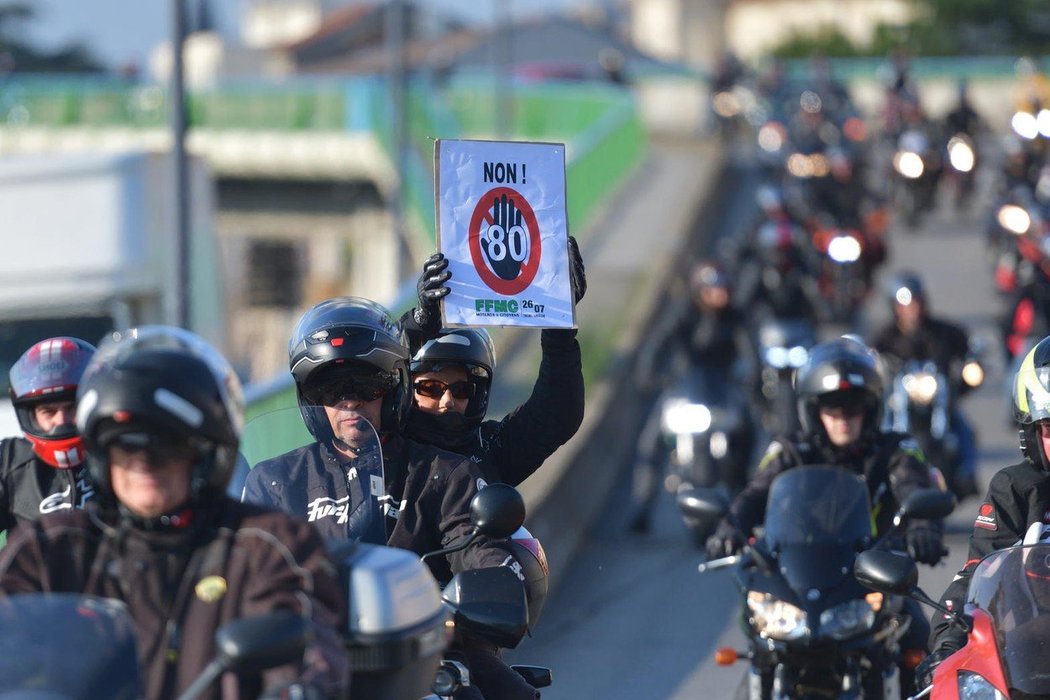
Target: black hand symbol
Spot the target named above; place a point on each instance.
(505, 215)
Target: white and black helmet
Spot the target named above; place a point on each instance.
(162, 381)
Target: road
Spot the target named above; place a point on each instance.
(634, 619)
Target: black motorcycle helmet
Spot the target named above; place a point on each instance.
(840, 365)
(349, 336)
(1031, 402)
(471, 349)
(159, 380)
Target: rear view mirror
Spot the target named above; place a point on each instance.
(254, 644)
(886, 572)
(703, 505)
(927, 504)
(497, 511)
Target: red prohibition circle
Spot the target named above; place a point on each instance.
(483, 216)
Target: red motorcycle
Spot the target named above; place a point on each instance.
(1007, 617)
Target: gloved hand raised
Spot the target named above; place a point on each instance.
(726, 542)
(577, 274)
(429, 289)
(925, 545)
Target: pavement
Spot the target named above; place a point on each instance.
(628, 250)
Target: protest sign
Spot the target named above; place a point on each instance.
(502, 224)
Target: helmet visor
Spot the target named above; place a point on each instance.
(1031, 394)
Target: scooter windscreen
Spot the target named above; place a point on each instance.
(67, 646)
(335, 482)
(1013, 586)
(817, 519)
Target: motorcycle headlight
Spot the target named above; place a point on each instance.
(771, 137)
(726, 104)
(974, 687)
(960, 155)
(973, 373)
(845, 620)
(775, 619)
(685, 418)
(797, 356)
(1014, 219)
(908, 164)
(844, 249)
(1025, 125)
(920, 387)
(777, 357)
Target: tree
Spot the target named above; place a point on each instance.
(18, 56)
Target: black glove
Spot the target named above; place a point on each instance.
(430, 288)
(726, 542)
(924, 671)
(925, 545)
(577, 275)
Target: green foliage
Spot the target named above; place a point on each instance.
(941, 28)
(18, 56)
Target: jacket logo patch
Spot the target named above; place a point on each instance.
(986, 517)
(56, 501)
(210, 588)
(325, 507)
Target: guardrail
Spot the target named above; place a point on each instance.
(599, 124)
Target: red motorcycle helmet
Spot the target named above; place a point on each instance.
(49, 372)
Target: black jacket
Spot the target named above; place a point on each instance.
(511, 449)
(432, 487)
(1018, 496)
(232, 560)
(891, 463)
(30, 488)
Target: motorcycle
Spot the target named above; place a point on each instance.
(845, 276)
(95, 655)
(400, 622)
(813, 630)
(783, 346)
(707, 437)
(917, 167)
(1006, 617)
(921, 403)
(961, 157)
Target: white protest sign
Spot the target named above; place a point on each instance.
(502, 224)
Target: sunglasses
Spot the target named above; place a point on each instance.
(356, 389)
(158, 448)
(435, 389)
(849, 406)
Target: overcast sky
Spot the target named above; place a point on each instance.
(122, 31)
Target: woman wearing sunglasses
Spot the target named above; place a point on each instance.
(452, 373)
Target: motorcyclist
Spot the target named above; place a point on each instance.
(507, 450)
(776, 269)
(702, 333)
(840, 391)
(914, 334)
(350, 361)
(1017, 497)
(43, 471)
(160, 413)
(962, 118)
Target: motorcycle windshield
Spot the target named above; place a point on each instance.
(67, 646)
(347, 501)
(1013, 586)
(814, 505)
(817, 519)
